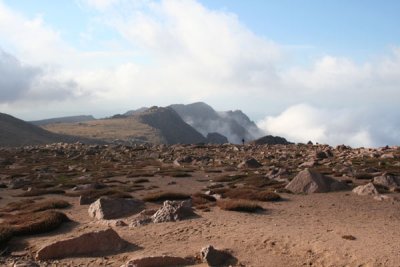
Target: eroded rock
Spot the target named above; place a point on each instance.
(88, 244)
(110, 208)
(308, 181)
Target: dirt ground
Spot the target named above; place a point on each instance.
(300, 230)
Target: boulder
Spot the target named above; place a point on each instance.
(88, 244)
(172, 211)
(308, 181)
(158, 261)
(214, 257)
(250, 163)
(366, 190)
(110, 208)
(388, 181)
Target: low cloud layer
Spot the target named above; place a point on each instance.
(355, 127)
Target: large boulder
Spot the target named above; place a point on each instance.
(158, 261)
(172, 211)
(88, 244)
(388, 181)
(366, 190)
(250, 163)
(214, 257)
(309, 181)
(113, 208)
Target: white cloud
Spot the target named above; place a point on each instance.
(353, 126)
(178, 51)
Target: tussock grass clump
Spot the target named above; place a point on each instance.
(39, 192)
(139, 173)
(49, 204)
(29, 205)
(6, 234)
(203, 201)
(247, 194)
(239, 205)
(140, 181)
(179, 174)
(35, 223)
(162, 196)
(230, 177)
(97, 193)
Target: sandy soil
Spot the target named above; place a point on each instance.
(301, 230)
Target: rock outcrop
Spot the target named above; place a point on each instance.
(214, 257)
(109, 208)
(88, 244)
(366, 190)
(308, 181)
(172, 211)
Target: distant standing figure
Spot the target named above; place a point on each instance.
(243, 141)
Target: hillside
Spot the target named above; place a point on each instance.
(127, 130)
(16, 132)
(171, 126)
(235, 125)
(70, 119)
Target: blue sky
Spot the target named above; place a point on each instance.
(305, 69)
(354, 28)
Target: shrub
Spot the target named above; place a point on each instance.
(239, 205)
(162, 196)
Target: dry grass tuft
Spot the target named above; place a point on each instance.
(35, 223)
(162, 196)
(97, 193)
(248, 194)
(348, 237)
(32, 206)
(202, 201)
(239, 205)
(39, 192)
(140, 181)
(6, 234)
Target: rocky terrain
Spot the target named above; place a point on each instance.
(199, 205)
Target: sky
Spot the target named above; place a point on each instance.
(326, 71)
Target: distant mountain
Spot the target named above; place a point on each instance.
(70, 119)
(16, 132)
(271, 140)
(171, 126)
(235, 125)
(135, 111)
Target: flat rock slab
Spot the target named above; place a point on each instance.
(88, 244)
(109, 208)
(158, 261)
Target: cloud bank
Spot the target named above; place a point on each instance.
(178, 51)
